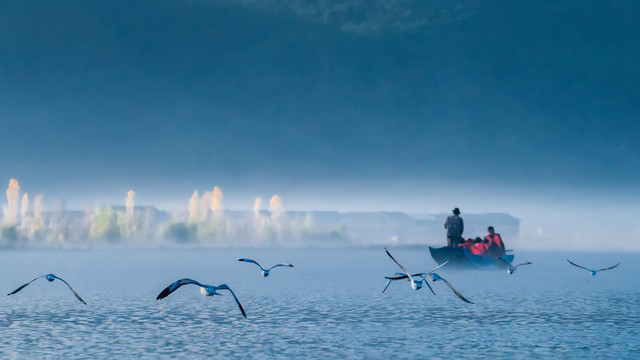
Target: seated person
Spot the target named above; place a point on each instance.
(475, 246)
(495, 246)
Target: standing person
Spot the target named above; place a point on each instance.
(495, 246)
(455, 227)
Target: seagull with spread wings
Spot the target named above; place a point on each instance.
(402, 276)
(415, 283)
(512, 269)
(50, 278)
(265, 272)
(593, 272)
(207, 290)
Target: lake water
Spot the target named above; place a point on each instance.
(329, 305)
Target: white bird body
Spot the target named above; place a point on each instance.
(204, 291)
(416, 285)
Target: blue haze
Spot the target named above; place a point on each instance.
(528, 108)
(188, 91)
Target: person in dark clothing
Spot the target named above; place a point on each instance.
(455, 228)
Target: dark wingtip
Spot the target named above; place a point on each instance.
(163, 294)
(464, 299)
(239, 305)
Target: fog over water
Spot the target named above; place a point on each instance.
(146, 141)
(562, 221)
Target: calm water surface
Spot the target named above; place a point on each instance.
(329, 306)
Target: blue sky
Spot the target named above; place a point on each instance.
(490, 107)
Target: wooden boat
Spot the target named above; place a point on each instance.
(461, 258)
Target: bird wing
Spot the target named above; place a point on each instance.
(25, 285)
(439, 266)
(388, 283)
(581, 267)
(454, 290)
(226, 287)
(505, 261)
(609, 268)
(251, 261)
(401, 267)
(427, 282)
(399, 277)
(281, 264)
(173, 287)
(70, 288)
(524, 263)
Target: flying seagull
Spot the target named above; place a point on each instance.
(512, 269)
(401, 276)
(265, 272)
(50, 278)
(207, 290)
(593, 272)
(415, 284)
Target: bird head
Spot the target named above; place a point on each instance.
(49, 277)
(509, 271)
(265, 273)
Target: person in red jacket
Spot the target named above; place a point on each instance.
(475, 246)
(493, 240)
